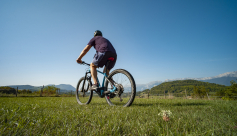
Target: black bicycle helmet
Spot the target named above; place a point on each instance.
(97, 33)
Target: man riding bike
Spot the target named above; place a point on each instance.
(104, 50)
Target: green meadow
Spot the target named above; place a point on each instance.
(64, 116)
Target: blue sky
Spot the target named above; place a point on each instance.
(154, 39)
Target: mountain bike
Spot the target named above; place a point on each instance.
(118, 88)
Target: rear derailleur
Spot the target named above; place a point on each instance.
(118, 92)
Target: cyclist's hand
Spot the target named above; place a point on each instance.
(79, 60)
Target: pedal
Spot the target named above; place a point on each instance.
(92, 89)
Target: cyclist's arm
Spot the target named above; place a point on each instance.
(83, 53)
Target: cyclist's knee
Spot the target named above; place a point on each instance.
(93, 65)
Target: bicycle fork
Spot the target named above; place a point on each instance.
(83, 85)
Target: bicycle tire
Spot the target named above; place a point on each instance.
(130, 97)
(83, 98)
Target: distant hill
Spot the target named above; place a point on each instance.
(21, 87)
(222, 79)
(66, 87)
(179, 86)
(63, 87)
(140, 87)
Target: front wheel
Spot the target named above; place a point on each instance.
(83, 94)
(126, 88)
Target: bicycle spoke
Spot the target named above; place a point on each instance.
(125, 92)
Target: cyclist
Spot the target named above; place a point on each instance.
(104, 50)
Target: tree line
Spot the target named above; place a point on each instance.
(230, 93)
(48, 90)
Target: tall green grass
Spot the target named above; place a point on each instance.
(63, 116)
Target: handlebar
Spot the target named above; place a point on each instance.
(84, 63)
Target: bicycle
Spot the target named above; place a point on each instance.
(118, 87)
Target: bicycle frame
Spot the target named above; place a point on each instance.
(101, 86)
(105, 77)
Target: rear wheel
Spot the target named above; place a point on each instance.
(126, 88)
(83, 94)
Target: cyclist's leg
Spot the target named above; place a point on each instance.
(107, 72)
(110, 66)
(95, 64)
(93, 73)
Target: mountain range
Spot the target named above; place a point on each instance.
(222, 79)
(63, 87)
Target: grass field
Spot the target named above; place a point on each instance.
(63, 116)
